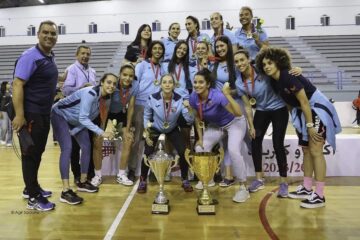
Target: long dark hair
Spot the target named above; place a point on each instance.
(152, 44)
(137, 41)
(229, 61)
(184, 61)
(196, 21)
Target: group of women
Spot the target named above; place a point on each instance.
(168, 86)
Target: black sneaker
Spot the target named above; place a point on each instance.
(40, 203)
(77, 181)
(131, 175)
(301, 192)
(44, 193)
(313, 202)
(70, 197)
(87, 187)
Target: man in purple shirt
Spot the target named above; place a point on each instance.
(34, 88)
(79, 75)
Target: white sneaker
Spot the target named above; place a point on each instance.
(2, 142)
(123, 179)
(9, 144)
(242, 195)
(96, 181)
(199, 185)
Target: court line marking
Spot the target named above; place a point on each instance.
(110, 233)
(262, 215)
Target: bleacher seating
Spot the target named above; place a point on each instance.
(102, 55)
(342, 50)
(322, 58)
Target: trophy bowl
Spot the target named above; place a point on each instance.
(205, 165)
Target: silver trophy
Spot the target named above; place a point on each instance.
(160, 162)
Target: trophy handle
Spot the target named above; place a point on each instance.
(146, 160)
(188, 158)
(174, 162)
(220, 158)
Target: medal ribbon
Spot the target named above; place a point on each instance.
(252, 82)
(124, 96)
(193, 45)
(178, 73)
(167, 111)
(200, 110)
(143, 53)
(103, 111)
(157, 71)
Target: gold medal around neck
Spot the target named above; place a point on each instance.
(156, 82)
(166, 125)
(124, 109)
(252, 101)
(193, 56)
(177, 84)
(249, 35)
(201, 124)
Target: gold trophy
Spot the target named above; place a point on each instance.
(159, 163)
(205, 165)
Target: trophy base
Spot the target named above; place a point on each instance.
(160, 208)
(206, 209)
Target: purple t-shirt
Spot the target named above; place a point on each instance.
(40, 75)
(214, 111)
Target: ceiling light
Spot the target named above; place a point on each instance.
(41, 1)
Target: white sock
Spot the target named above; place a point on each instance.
(98, 173)
(121, 172)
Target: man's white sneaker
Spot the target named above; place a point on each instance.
(123, 179)
(96, 181)
(242, 195)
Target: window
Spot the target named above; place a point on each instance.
(61, 29)
(357, 19)
(325, 20)
(2, 31)
(31, 31)
(156, 26)
(124, 28)
(290, 22)
(255, 21)
(205, 24)
(92, 27)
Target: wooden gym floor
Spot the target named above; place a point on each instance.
(118, 212)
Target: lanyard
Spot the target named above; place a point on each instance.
(156, 72)
(167, 111)
(252, 82)
(124, 96)
(103, 111)
(193, 45)
(83, 72)
(178, 74)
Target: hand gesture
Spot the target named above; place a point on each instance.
(314, 135)
(252, 133)
(186, 103)
(296, 71)
(108, 135)
(18, 122)
(226, 89)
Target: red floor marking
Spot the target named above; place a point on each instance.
(262, 215)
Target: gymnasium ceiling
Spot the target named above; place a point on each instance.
(25, 3)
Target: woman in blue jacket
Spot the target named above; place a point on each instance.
(161, 115)
(73, 116)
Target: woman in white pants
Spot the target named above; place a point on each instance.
(218, 114)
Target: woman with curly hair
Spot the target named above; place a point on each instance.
(313, 116)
